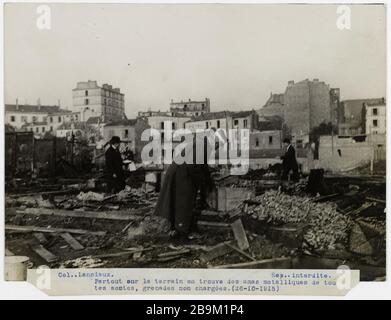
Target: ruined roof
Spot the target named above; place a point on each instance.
(275, 98)
(26, 108)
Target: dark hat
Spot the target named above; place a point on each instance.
(115, 139)
(286, 140)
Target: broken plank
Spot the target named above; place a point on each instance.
(75, 245)
(240, 234)
(361, 209)
(217, 251)
(278, 263)
(40, 237)
(122, 253)
(53, 230)
(210, 213)
(112, 215)
(173, 253)
(44, 253)
(326, 197)
(241, 252)
(47, 193)
(376, 200)
(210, 224)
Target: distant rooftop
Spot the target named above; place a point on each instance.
(221, 114)
(26, 108)
(123, 122)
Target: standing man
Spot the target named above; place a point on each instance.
(289, 161)
(114, 165)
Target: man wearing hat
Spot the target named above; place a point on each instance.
(289, 161)
(114, 170)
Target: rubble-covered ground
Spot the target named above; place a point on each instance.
(73, 223)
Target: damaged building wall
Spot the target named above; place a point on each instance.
(338, 154)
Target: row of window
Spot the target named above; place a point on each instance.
(41, 129)
(35, 119)
(106, 102)
(107, 94)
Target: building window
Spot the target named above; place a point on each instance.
(207, 124)
(126, 134)
(236, 122)
(257, 142)
(86, 92)
(12, 118)
(374, 122)
(50, 119)
(270, 139)
(59, 119)
(86, 102)
(51, 128)
(37, 129)
(34, 118)
(173, 126)
(161, 125)
(43, 129)
(374, 111)
(245, 123)
(218, 124)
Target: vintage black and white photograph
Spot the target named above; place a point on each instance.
(202, 136)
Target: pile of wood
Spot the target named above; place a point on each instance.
(326, 227)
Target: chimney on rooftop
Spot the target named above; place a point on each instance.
(39, 104)
(17, 104)
(291, 83)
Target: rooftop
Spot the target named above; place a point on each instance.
(26, 108)
(123, 122)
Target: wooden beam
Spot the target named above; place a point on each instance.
(326, 197)
(240, 234)
(44, 253)
(53, 230)
(241, 252)
(47, 193)
(210, 224)
(75, 245)
(217, 251)
(376, 200)
(110, 215)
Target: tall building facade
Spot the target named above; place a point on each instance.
(190, 107)
(308, 103)
(91, 100)
(376, 116)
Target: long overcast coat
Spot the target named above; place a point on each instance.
(177, 197)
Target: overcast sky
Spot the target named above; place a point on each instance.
(234, 54)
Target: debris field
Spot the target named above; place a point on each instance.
(254, 221)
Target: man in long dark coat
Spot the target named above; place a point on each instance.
(114, 166)
(289, 162)
(178, 194)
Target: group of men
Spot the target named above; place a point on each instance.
(182, 184)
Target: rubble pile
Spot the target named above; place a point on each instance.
(326, 226)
